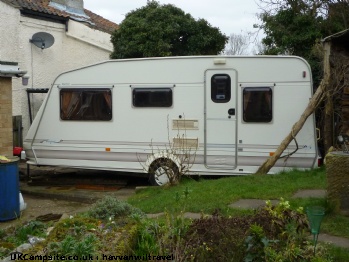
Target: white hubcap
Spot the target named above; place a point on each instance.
(162, 175)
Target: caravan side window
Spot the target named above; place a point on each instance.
(220, 88)
(86, 104)
(257, 104)
(152, 97)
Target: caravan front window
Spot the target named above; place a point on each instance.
(257, 104)
(86, 104)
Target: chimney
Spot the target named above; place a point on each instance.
(74, 7)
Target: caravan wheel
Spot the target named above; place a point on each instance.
(162, 172)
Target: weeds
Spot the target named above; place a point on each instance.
(168, 164)
(32, 228)
(79, 247)
(165, 236)
(13, 237)
(2, 233)
(273, 233)
(256, 244)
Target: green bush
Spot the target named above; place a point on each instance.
(110, 207)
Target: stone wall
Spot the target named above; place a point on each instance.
(6, 139)
(337, 166)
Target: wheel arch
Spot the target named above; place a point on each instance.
(154, 158)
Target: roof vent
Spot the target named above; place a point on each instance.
(74, 7)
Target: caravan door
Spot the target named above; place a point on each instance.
(220, 119)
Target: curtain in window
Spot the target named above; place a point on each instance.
(107, 97)
(69, 103)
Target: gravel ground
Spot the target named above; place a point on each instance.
(38, 206)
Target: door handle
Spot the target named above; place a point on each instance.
(231, 111)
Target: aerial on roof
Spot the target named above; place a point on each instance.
(64, 9)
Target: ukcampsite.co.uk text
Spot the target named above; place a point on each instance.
(25, 257)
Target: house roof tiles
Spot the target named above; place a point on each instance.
(43, 6)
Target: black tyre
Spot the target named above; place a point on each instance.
(162, 172)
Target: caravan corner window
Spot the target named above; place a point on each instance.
(86, 104)
(152, 97)
(257, 104)
(220, 88)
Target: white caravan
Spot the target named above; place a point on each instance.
(230, 112)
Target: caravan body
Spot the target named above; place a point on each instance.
(231, 112)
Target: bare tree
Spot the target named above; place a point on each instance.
(259, 48)
(237, 44)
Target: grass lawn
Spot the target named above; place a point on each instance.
(208, 195)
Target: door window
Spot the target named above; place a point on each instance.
(220, 88)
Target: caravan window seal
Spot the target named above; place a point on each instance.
(85, 87)
(220, 88)
(152, 97)
(152, 86)
(257, 104)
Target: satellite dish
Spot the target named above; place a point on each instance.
(42, 40)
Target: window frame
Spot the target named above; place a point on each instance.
(150, 90)
(270, 111)
(75, 106)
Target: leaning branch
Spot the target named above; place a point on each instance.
(312, 105)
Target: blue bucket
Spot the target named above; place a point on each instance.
(9, 190)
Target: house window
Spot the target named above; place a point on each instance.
(152, 97)
(220, 88)
(86, 104)
(257, 104)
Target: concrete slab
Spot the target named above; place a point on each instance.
(193, 215)
(71, 193)
(155, 215)
(316, 193)
(79, 185)
(189, 215)
(251, 203)
(337, 241)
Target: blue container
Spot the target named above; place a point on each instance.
(9, 190)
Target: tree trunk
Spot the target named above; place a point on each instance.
(328, 121)
(312, 105)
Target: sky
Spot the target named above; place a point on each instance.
(230, 16)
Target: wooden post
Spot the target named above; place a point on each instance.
(6, 133)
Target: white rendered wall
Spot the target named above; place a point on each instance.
(9, 28)
(78, 47)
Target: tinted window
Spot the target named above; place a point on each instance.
(257, 104)
(220, 88)
(86, 104)
(152, 97)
